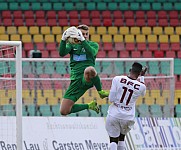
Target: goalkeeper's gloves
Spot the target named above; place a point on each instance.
(103, 94)
(80, 36)
(70, 32)
(65, 35)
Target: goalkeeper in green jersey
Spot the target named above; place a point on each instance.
(83, 74)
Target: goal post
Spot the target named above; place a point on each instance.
(8, 49)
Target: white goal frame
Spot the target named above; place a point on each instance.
(18, 62)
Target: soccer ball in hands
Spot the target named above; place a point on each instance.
(72, 40)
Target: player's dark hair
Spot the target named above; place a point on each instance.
(83, 27)
(136, 68)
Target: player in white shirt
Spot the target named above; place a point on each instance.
(124, 92)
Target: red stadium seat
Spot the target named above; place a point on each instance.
(40, 46)
(141, 46)
(84, 14)
(136, 54)
(95, 14)
(51, 14)
(101, 54)
(175, 46)
(107, 46)
(140, 15)
(118, 22)
(162, 14)
(41, 22)
(106, 14)
(85, 21)
(51, 46)
(28, 14)
(130, 22)
(52, 22)
(151, 14)
(164, 46)
(73, 14)
(63, 22)
(152, 46)
(124, 54)
(18, 22)
(18, 14)
(40, 14)
(54, 54)
(62, 14)
(107, 22)
(174, 22)
(119, 46)
(117, 14)
(163, 22)
(7, 22)
(173, 14)
(140, 22)
(96, 22)
(30, 22)
(45, 54)
(147, 54)
(100, 46)
(112, 54)
(170, 54)
(151, 22)
(179, 54)
(158, 54)
(128, 14)
(28, 46)
(74, 22)
(130, 46)
(6, 14)
(24, 54)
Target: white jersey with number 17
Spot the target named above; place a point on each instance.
(123, 95)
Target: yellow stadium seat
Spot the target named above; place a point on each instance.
(11, 30)
(140, 38)
(112, 30)
(152, 38)
(124, 30)
(95, 38)
(129, 38)
(4, 37)
(56, 30)
(2, 30)
(169, 30)
(49, 38)
(146, 30)
(26, 38)
(45, 30)
(58, 38)
(22, 30)
(15, 37)
(174, 38)
(178, 30)
(65, 28)
(38, 38)
(118, 38)
(135, 30)
(34, 30)
(157, 30)
(163, 38)
(92, 30)
(101, 30)
(106, 38)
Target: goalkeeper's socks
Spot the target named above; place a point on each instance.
(112, 146)
(97, 83)
(79, 107)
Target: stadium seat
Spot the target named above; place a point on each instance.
(49, 38)
(175, 46)
(7, 22)
(37, 38)
(28, 46)
(84, 14)
(140, 22)
(124, 54)
(141, 46)
(34, 30)
(52, 22)
(17, 14)
(129, 39)
(162, 14)
(95, 14)
(174, 22)
(140, 14)
(145, 6)
(96, 22)
(155, 110)
(51, 14)
(136, 54)
(130, 22)
(147, 54)
(29, 22)
(135, 30)
(112, 54)
(15, 37)
(29, 14)
(6, 14)
(130, 46)
(179, 54)
(62, 14)
(164, 46)
(106, 14)
(123, 6)
(85, 21)
(101, 30)
(128, 14)
(63, 22)
(54, 54)
(157, 30)
(152, 38)
(140, 39)
(107, 22)
(112, 30)
(118, 38)
(41, 22)
(124, 30)
(11, 30)
(152, 46)
(40, 46)
(174, 39)
(146, 30)
(112, 6)
(73, 14)
(107, 46)
(51, 46)
(101, 54)
(45, 30)
(118, 22)
(143, 110)
(169, 30)
(159, 54)
(178, 30)
(26, 38)
(22, 30)
(79, 6)
(173, 14)
(117, 14)
(92, 30)
(163, 38)
(2, 30)
(106, 38)
(45, 54)
(119, 46)
(151, 22)
(95, 38)
(170, 54)
(163, 22)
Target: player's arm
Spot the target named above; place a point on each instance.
(64, 48)
(112, 94)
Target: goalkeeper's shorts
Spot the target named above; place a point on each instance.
(77, 88)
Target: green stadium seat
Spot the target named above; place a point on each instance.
(128, 66)
(36, 6)
(75, 1)
(49, 67)
(32, 1)
(20, 1)
(161, 1)
(177, 66)
(94, 114)
(91, 6)
(166, 111)
(134, 6)
(112, 6)
(140, 1)
(60, 68)
(107, 67)
(130, 1)
(164, 67)
(143, 110)
(13, 6)
(167, 6)
(47, 6)
(123, 6)
(45, 110)
(86, 1)
(145, 6)
(156, 6)
(68, 6)
(11, 1)
(84, 113)
(80, 6)
(153, 68)
(56, 110)
(43, 1)
(101, 6)
(25, 113)
(104, 109)
(8, 110)
(31, 110)
(3, 6)
(178, 110)
(119, 67)
(25, 6)
(57, 6)
(155, 110)
(150, 1)
(98, 67)
(177, 6)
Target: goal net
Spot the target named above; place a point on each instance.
(10, 94)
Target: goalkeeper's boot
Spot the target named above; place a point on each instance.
(93, 106)
(103, 94)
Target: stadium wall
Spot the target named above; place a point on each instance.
(88, 133)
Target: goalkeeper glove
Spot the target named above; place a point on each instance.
(80, 36)
(70, 32)
(103, 94)
(65, 35)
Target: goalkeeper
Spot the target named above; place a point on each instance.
(83, 74)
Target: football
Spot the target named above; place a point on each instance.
(72, 40)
